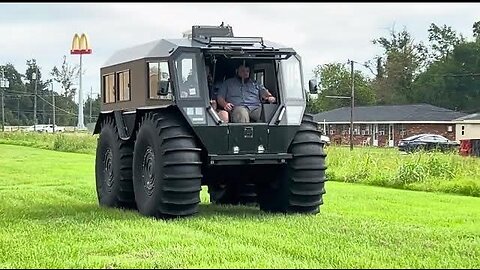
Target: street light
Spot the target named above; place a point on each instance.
(4, 83)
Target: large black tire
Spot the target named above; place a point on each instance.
(113, 168)
(166, 167)
(297, 187)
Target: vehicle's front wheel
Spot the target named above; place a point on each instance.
(298, 187)
(166, 168)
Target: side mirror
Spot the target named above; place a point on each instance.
(163, 87)
(312, 86)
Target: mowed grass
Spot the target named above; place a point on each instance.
(49, 218)
(386, 167)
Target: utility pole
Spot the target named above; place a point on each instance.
(352, 105)
(53, 107)
(3, 110)
(18, 112)
(91, 94)
(34, 77)
(4, 83)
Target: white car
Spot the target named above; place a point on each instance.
(325, 139)
(37, 128)
(49, 129)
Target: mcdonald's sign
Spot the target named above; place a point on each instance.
(80, 45)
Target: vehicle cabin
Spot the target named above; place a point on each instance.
(167, 71)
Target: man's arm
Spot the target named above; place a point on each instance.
(221, 98)
(266, 95)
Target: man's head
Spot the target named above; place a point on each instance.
(243, 71)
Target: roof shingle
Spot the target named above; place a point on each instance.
(412, 112)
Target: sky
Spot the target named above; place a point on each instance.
(321, 33)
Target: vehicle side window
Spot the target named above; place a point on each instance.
(428, 138)
(123, 85)
(108, 88)
(441, 139)
(158, 71)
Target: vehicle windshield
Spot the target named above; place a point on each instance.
(291, 78)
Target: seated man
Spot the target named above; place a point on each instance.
(212, 91)
(241, 96)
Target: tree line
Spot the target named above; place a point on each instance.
(445, 72)
(19, 97)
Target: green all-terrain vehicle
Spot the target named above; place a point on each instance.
(161, 140)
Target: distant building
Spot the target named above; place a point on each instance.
(468, 127)
(387, 125)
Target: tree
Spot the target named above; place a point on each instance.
(404, 61)
(66, 75)
(476, 30)
(95, 109)
(14, 96)
(442, 41)
(455, 82)
(336, 81)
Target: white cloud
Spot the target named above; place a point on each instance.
(320, 32)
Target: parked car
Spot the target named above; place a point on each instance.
(37, 128)
(325, 139)
(426, 142)
(49, 129)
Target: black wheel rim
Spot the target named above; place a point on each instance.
(148, 175)
(108, 168)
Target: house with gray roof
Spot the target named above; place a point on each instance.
(386, 125)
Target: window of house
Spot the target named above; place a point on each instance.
(365, 129)
(382, 129)
(403, 130)
(450, 128)
(331, 129)
(158, 71)
(109, 88)
(356, 130)
(463, 130)
(123, 83)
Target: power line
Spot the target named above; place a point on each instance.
(56, 107)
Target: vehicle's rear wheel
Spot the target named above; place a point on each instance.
(113, 168)
(166, 167)
(297, 187)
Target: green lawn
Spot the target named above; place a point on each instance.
(49, 218)
(388, 167)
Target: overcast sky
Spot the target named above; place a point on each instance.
(320, 32)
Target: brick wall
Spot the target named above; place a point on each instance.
(410, 130)
(439, 129)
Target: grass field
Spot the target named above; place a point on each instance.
(438, 172)
(49, 218)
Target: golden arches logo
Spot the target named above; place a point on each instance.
(80, 45)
